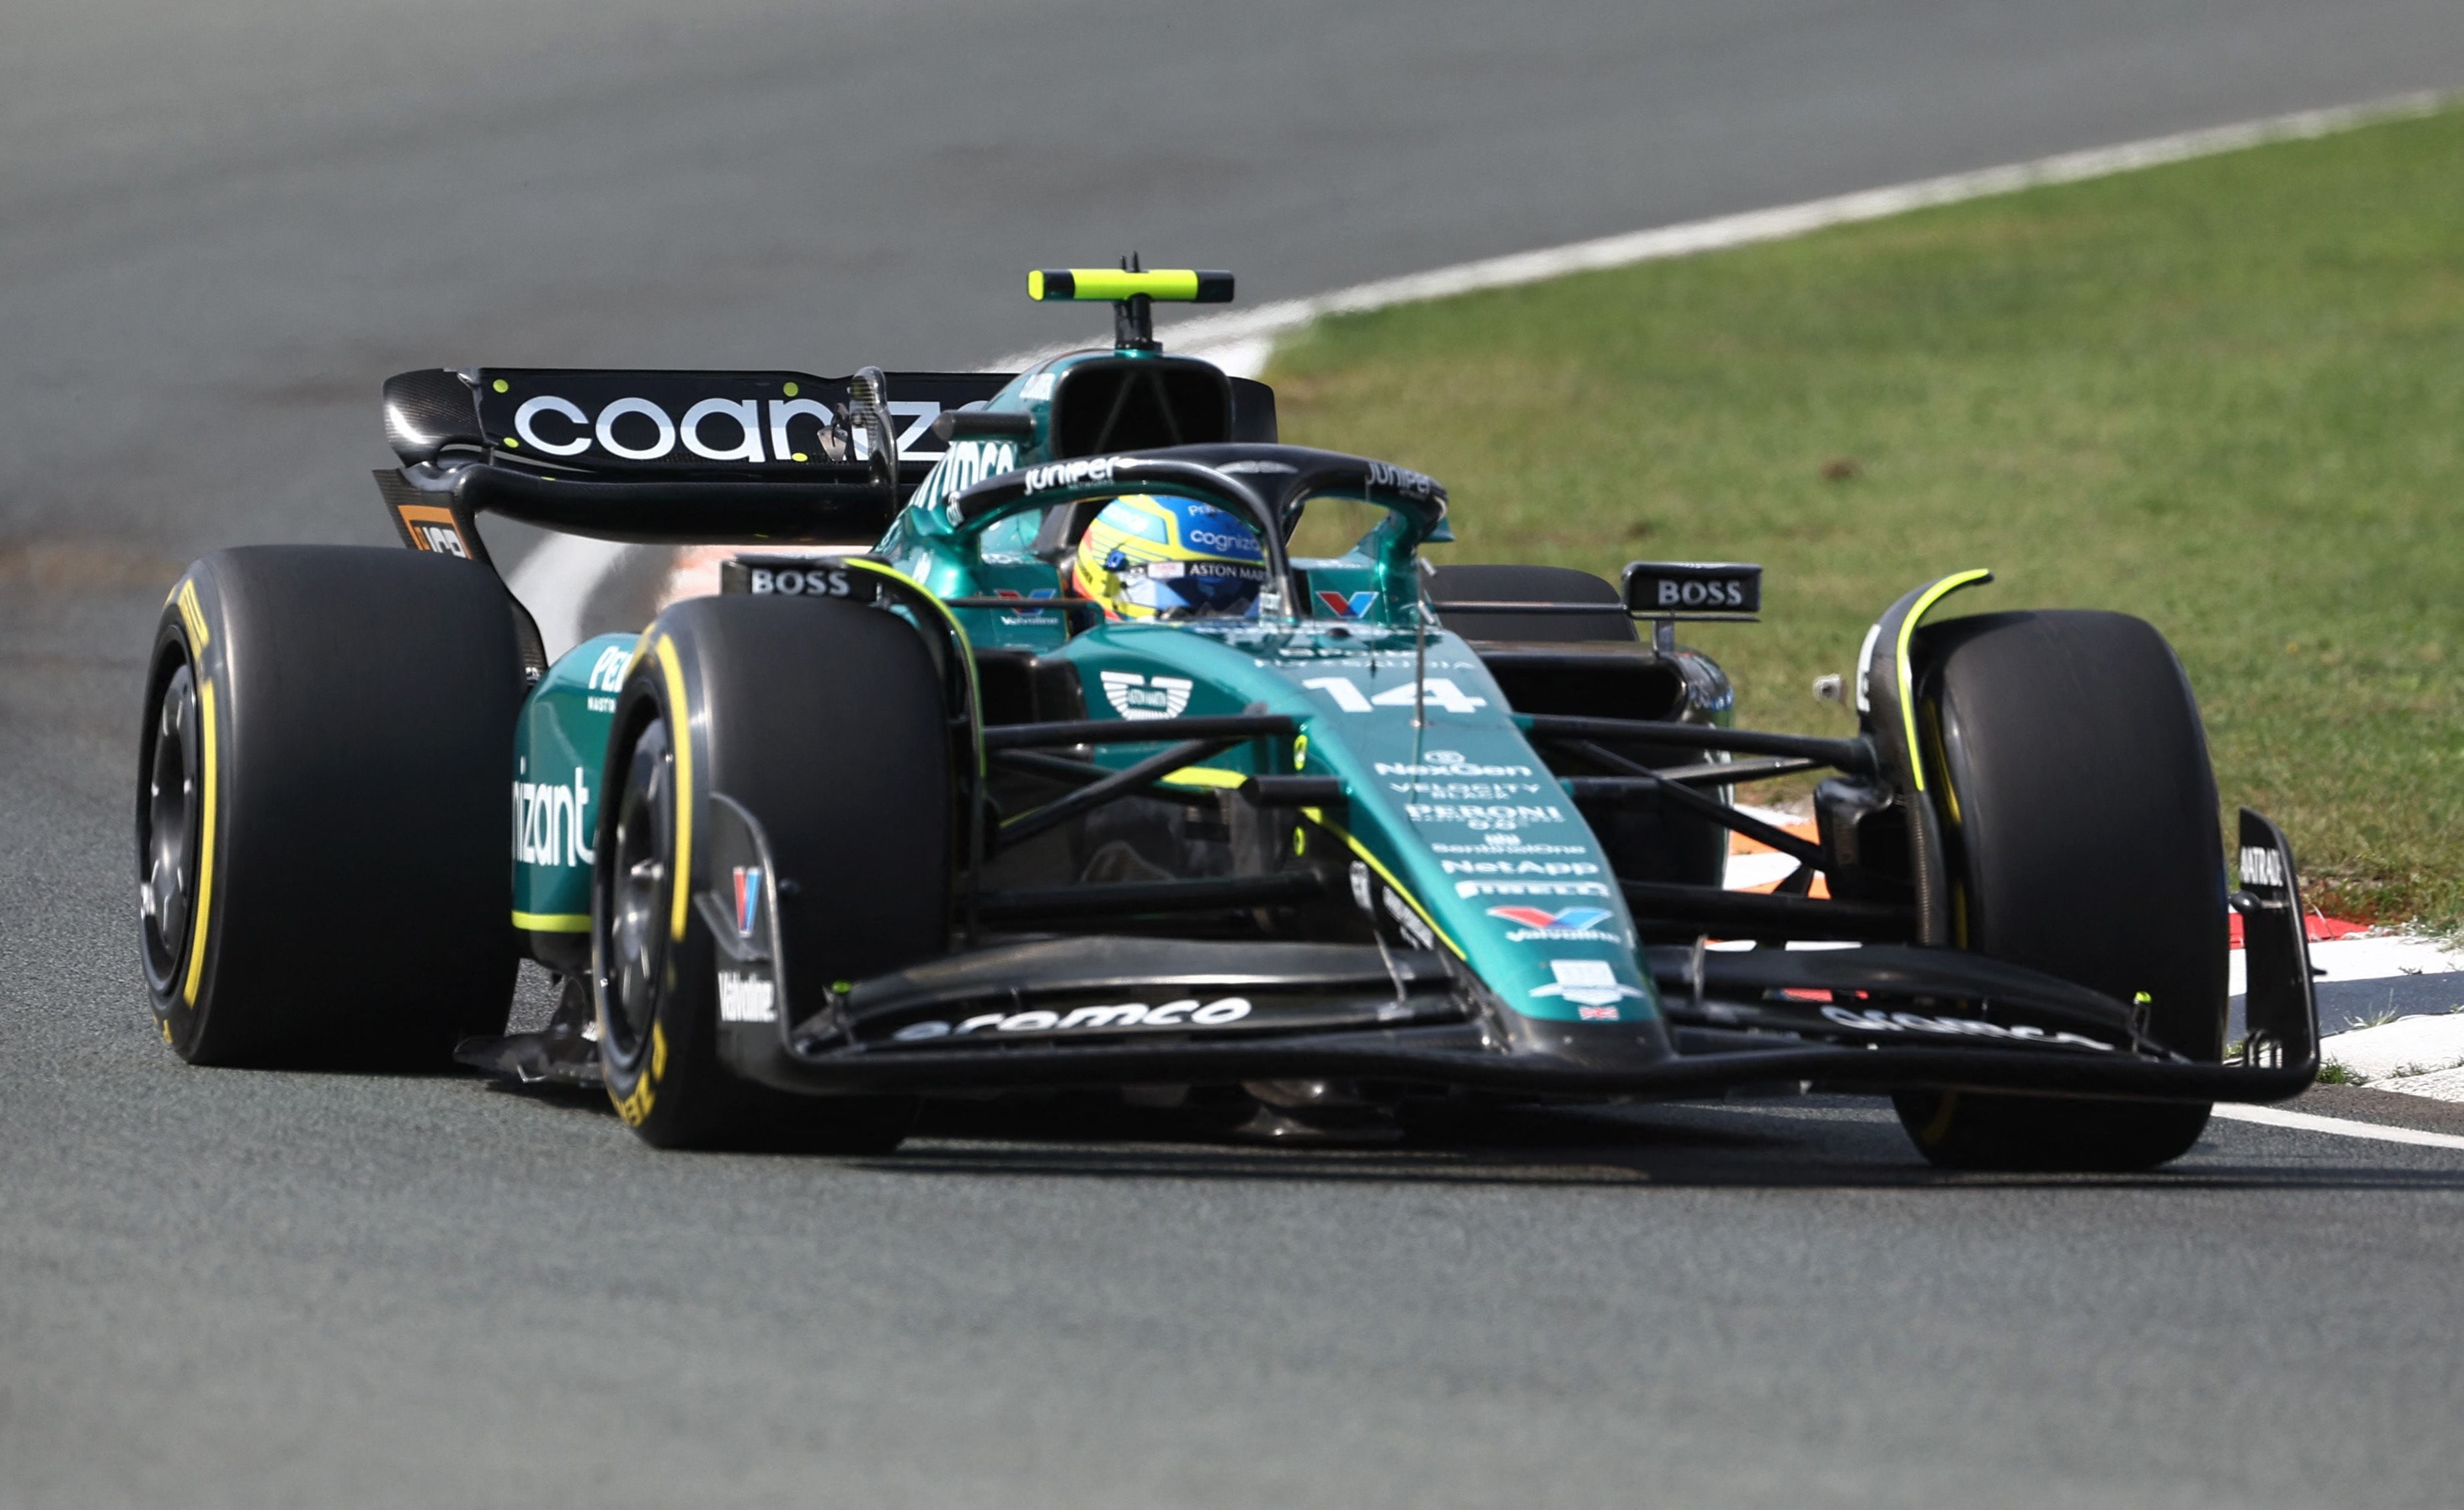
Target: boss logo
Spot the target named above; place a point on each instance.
(1665, 588)
(786, 577)
(809, 583)
(1700, 595)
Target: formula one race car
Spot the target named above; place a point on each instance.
(1075, 778)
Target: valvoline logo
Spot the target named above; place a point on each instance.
(1352, 607)
(1577, 918)
(748, 899)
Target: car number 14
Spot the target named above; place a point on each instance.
(1438, 692)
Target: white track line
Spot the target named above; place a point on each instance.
(1252, 330)
(2337, 1126)
(555, 580)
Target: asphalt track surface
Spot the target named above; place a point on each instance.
(221, 225)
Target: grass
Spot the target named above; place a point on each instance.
(2226, 395)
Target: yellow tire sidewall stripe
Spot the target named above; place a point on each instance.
(198, 931)
(680, 723)
(194, 618)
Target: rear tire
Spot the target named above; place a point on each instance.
(826, 721)
(2080, 824)
(322, 869)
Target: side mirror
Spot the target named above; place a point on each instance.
(972, 424)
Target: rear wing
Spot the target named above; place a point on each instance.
(658, 456)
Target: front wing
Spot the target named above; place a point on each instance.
(1103, 1011)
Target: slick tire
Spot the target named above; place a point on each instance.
(323, 875)
(2079, 811)
(826, 721)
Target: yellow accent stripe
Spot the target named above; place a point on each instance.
(1202, 775)
(552, 922)
(1111, 283)
(680, 737)
(193, 617)
(1317, 816)
(1907, 675)
(205, 855)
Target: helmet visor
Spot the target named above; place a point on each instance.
(1194, 589)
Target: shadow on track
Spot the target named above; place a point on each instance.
(1814, 1144)
(1818, 1143)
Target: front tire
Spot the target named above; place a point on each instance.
(826, 721)
(2078, 811)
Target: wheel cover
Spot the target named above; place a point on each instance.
(633, 895)
(167, 829)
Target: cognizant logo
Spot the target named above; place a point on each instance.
(552, 822)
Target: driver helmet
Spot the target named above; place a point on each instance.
(1152, 555)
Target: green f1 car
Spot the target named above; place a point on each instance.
(922, 819)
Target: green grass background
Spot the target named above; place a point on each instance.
(2226, 395)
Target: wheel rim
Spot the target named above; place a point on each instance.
(633, 887)
(167, 840)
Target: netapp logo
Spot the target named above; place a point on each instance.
(1182, 1014)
